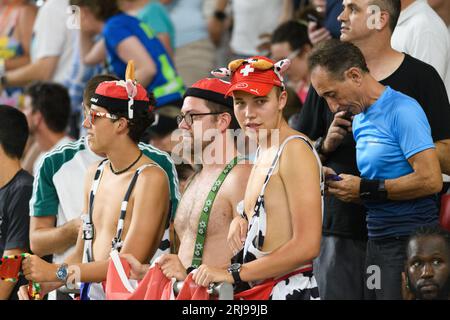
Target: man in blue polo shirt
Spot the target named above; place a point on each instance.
(400, 172)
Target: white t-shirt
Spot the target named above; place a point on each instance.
(66, 166)
(252, 19)
(39, 158)
(52, 37)
(421, 33)
(63, 171)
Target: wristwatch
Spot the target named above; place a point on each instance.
(234, 269)
(62, 272)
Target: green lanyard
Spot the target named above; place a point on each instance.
(204, 216)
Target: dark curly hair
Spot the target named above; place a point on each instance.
(142, 119)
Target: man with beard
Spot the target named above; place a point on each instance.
(427, 268)
(283, 198)
(205, 118)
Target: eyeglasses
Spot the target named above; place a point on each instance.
(188, 117)
(91, 115)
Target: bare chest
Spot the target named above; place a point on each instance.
(274, 189)
(107, 209)
(193, 203)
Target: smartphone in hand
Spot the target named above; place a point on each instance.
(333, 177)
(312, 18)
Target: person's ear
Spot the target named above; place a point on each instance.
(121, 124)
(224, 120)
(306, 50)
(378, 19)
(282, 100)
(354, 74)
(382, 20)
(37, 118)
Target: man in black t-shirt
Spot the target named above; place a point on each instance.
(15, 192)
(342, 265)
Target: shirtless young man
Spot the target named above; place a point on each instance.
(283, 197)
(205, 108)
(114, 128)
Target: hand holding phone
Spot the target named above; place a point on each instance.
(333, 177)
(312, 18)
(316, 31)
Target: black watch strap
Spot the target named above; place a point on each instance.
(236, 276)
(234, 269)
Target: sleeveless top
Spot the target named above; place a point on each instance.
(95, 291)
(257, 225)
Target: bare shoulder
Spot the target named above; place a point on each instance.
(239, 175)
(298, 154)
(298, 146)
(152, 175)
(233, 189)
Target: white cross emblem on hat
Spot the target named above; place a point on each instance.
(247, 70)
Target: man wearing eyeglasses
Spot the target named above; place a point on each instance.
(205, 120)
(283, 202)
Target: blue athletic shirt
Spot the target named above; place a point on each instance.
(388, 133)
(166, 85)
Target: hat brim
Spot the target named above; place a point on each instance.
(256, 88)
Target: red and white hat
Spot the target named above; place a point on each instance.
(256, 75)
(121, 95)
(211, 89)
